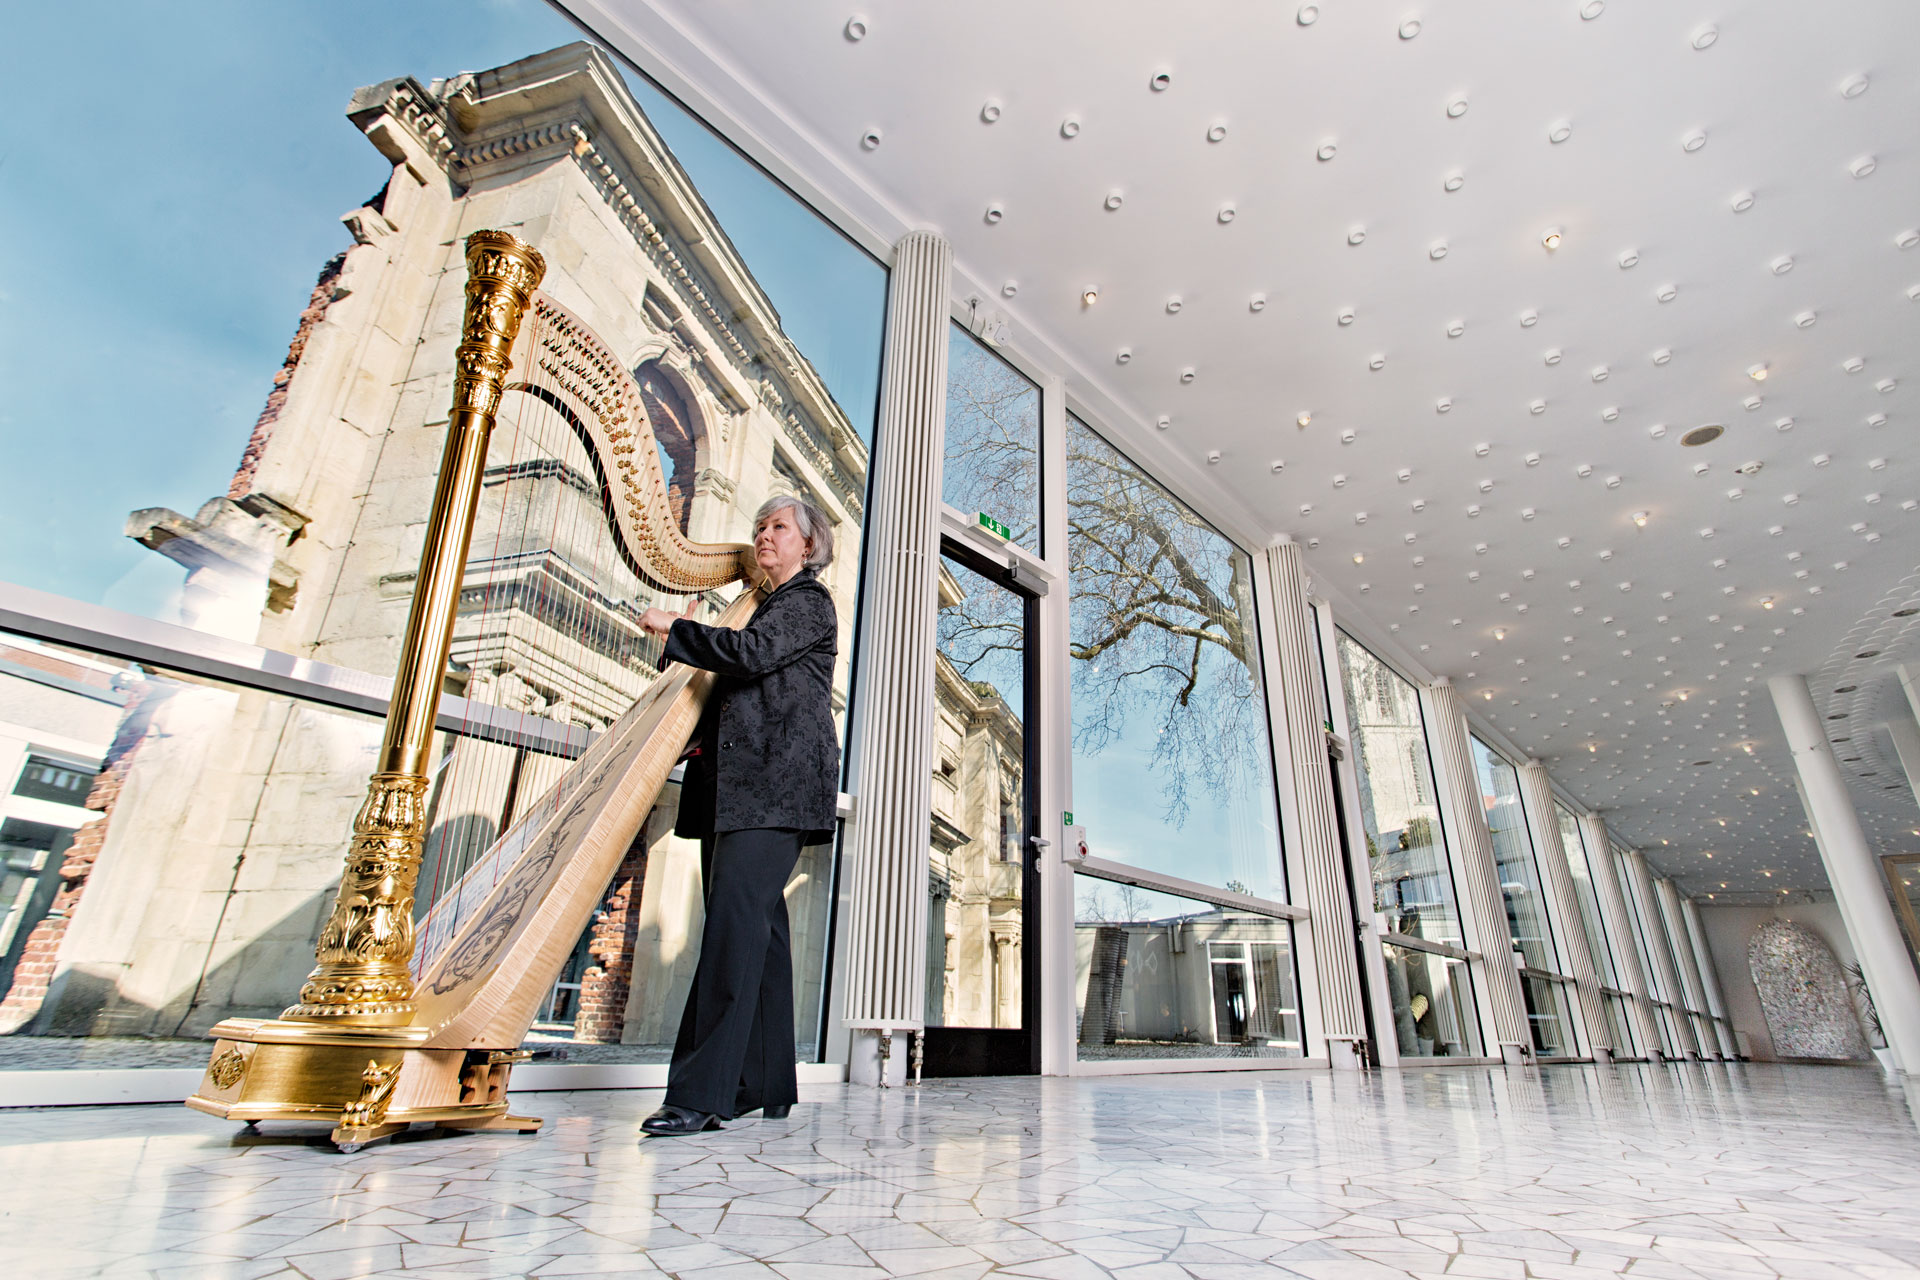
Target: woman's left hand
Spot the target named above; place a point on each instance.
(658, 622)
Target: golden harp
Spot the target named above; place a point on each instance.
(387, 1033)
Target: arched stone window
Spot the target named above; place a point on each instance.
(676, 428)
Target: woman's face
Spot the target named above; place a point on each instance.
(778, 548)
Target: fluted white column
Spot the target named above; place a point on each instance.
(1473, 853)
(1689, 968)
(1709, 978)
(1666, 977)
(885, 932)
(1536, 799)
(1859, 889)
(1295, 711)
(1613, 910)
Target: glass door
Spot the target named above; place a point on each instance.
(982, 935)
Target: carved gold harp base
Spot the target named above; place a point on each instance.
(369, 1083)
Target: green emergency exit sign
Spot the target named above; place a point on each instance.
(994, 527)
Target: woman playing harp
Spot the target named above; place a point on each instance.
(761, 783)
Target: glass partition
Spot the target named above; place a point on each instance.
(1412, 881)
(1433, 1013)
(1662, 999)
(294, 405)
(1159, 976)
(993, 440)
(1528, 922)
(1172, 770)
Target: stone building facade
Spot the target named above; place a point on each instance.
(217, 864)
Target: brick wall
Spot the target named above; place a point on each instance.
(316, 311)
(604, 986)
(34, 973)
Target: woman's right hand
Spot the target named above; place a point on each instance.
(658, 622)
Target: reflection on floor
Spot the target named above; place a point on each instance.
(1562, 1171)
(119, 1053)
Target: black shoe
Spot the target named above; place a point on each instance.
(672, 1121)
(778, 1111)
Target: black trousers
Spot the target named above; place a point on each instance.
(735, 1048)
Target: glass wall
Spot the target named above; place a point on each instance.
(1160, 976)
(1543, 978)
(993, 441)
(294, 407)
(1613, 988)
(1172, 769)
(1414, 900)
(1664, 1003)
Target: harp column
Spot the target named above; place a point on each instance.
(1486, 909)
(1613, 908)
(887, 842)
(1536, 798)
(1309, 811)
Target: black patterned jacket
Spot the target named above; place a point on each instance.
(769, 755)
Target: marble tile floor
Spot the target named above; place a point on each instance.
(1688, 1171)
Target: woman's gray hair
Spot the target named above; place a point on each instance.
(810, 520)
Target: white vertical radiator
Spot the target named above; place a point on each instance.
(1297, 709)
(1613, 907)
(1473, 844)
(1536, 798)
(885, 932)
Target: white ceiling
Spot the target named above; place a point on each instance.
(1487, 515)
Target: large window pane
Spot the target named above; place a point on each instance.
(1171, 766)
(1581, 868)
(1157, 976)
(1412, 885)
(993, 439)
(1513, 856)
(294, 407)
(1433, 1014)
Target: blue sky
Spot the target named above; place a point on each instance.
(170, 184)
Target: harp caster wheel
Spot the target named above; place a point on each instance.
(251, 1126)
(348, 1148)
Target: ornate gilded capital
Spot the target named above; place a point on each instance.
(502, 273)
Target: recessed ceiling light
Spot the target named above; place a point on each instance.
(1805, 319)
(1592, 9)
(1090, 295)
(1862, 167)
(1304, 418)
(1070, 128)
(1758, 372)
(1552, 356)
(1559, 131)
(1907, 239)
(1853, 86)
(1551, 239)
(1161, 82)
(1410, 28)
(856, 28)
(1694, 141)
(1258, 302)
(1629, 258)
(1704, 37)
(995, 213)
(989, 111)
(1437, 250)
(1378, 363)
(1600, 373)
(1165, 421)
(1357, 235)
(1666, 293)
(1529, 318)
(1308, 15)
(1663, 355)
(1453, 182)
(1742, 201)
(1187, 375)
(1781, 265)
(1703, 435)
(1456, 107)
(1174, 305)
(1123, 355)
(1115, 199)
(1010, 288)
(870, 139)
(1640, 519)
(1328, 150)
(1610, 414)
